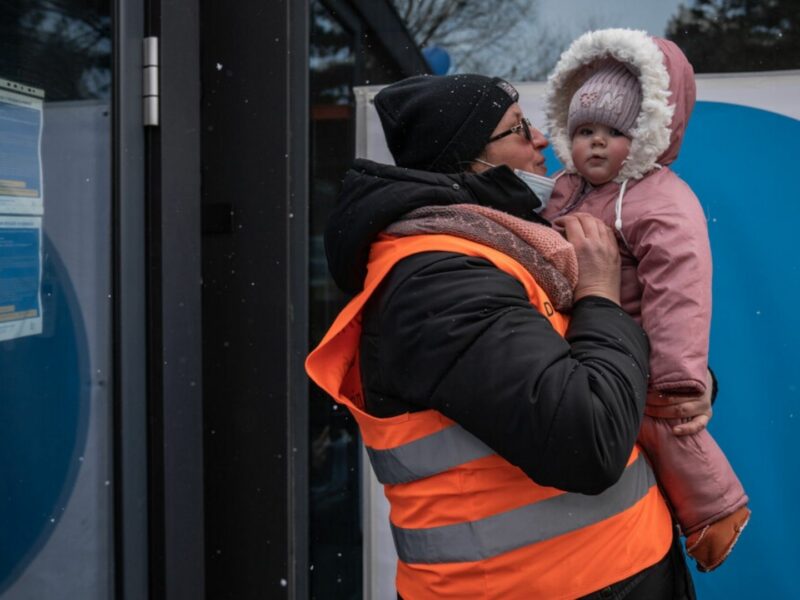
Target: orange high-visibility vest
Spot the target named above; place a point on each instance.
(466, 523)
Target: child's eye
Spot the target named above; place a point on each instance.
(585, 131)
(616, 132)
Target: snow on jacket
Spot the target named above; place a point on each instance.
(666, 256)
(456, 334)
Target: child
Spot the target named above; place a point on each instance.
(618, 103)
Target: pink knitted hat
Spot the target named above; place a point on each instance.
(610, 96)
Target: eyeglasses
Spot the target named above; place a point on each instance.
(523, 128)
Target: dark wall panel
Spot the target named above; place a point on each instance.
(254, 112)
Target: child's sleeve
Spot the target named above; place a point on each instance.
(670, 243)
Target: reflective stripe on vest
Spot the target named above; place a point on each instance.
(427, 456)
(543, 520)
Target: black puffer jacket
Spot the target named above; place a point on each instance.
(454, 333)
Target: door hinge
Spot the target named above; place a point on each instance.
(150, 90)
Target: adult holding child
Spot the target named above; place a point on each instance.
(503, 429)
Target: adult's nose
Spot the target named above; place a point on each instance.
(538, 140)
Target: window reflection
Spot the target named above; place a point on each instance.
(63, 46)
(343, 53)
(335, 529)
(56, 509)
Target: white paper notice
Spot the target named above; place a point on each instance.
(20, 153)
(20, 277)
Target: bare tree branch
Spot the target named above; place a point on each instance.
(500, 38)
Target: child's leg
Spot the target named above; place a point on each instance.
(701, 486)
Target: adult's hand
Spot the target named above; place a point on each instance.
(694, 410)
(598, 256)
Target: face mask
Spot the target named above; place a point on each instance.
(539, 184)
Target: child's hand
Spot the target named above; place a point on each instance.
(598, 256)
(694, 411)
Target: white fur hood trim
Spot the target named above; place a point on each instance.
(651, 133)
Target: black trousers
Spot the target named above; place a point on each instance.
(668, 579)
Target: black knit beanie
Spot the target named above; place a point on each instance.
(440, 123)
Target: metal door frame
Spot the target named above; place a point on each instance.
(158, 424)
(129, 325)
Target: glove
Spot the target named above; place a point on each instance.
(712, 544)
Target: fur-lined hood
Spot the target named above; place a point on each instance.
(668, 95)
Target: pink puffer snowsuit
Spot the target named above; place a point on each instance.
(666, 258)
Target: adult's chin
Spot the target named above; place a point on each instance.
(539, 169)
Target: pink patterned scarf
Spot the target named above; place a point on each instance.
(547, 256)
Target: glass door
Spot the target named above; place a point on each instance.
(56, 300)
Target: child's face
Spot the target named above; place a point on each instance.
(598, 152)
